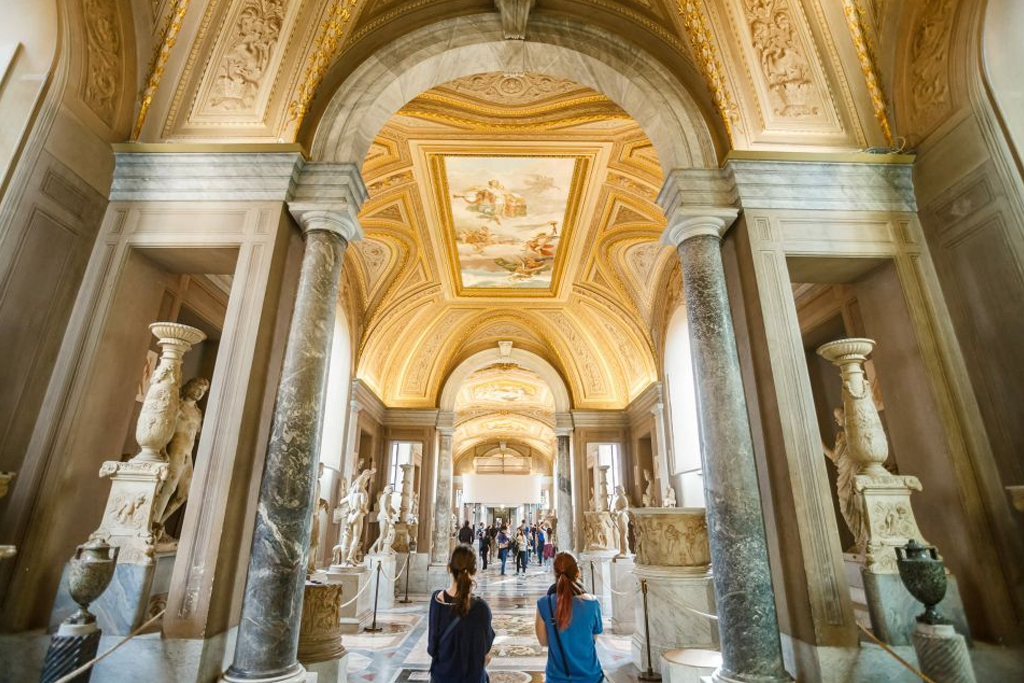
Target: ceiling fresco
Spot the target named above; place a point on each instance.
(507, 217)
(571, 191)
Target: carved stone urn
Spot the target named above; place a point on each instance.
(868, 445)
(924, 575)
(89, 574)
(160, 407)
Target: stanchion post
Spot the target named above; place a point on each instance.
(406, 600)
(593, 581)
(650, 674)
(376, 596)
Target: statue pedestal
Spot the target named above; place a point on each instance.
(596, 566)
(625, 593)
(418, 580)
(438, 577)
(673, 556)
(671, 593)
(384, 594)
(356, 616)
(320, 628)
(142, 576)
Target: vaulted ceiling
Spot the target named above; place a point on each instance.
(592, 322)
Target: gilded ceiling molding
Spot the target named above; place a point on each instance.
(159, 63)
(856, 21)
(498, 126)
(328, 36)
(704, 49)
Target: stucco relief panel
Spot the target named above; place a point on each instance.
(101, 85)
(236, 87)
(787, 79)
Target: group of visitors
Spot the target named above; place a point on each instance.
(521, 545)
(460, 635)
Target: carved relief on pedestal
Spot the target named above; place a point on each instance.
(889, 519)
(320, 629)
(672, 537)
(599, 531)
(129, 520)
(103, 49)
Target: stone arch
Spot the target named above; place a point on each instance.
(438, 53)
(525, 359)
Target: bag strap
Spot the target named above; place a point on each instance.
(451, 625)
(558, 638)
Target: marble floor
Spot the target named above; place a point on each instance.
(399, 653)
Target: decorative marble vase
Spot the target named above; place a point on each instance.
(160, 407)
(868, 446)
(924, 575)
(672, 537)
(89, 574)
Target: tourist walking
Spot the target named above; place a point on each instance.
(549, 545)
(460, 635)
(541, 538)
(504, 543)
(483, 540)
(568, 622)
(521, 549)
(466, 534)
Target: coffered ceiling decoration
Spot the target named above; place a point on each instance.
(458, 210)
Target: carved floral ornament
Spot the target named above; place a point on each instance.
(781, 57)
(253, 40)
(103, 59)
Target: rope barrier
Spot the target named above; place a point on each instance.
(634, 591)
(88, 665)
(899, 659)
(358, 593)
(398, 575)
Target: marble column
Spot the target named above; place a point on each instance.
(563, 483)
(443, 501)
(748, 625)
(268, 630)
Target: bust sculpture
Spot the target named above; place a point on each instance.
(669, 500)
(173, 492)
(620, 513)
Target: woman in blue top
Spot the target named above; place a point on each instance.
(503, 546)
(568, 623)
(460, 635)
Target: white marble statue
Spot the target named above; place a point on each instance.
(620, 513)
(850, 501)
(385, 524)
(314, 530)
(358, 501)
(173, 491)
(414, 509)
(669, 500)
(454, 530)
(649, 498)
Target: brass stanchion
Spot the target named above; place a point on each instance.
(376, 596)
(593, 580)
(650, 674)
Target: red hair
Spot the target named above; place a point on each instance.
(566, 573)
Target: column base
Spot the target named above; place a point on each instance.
(721, 677)
(438, 577)
(296, 674)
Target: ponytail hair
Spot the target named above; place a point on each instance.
(567, 571)
(462, 565)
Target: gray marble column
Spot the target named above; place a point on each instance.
(563, 484)
(443, 501)
(747, 622)
(268, 630)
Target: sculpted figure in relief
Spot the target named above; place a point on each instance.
(173, 491)
(358, 503)
(850, 502)
(620, 513)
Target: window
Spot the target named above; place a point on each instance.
(401, 454)
(608, 454)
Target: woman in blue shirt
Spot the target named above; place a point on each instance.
(460, 635)
(504, 542)
(568, 623)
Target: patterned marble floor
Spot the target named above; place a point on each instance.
(399, 653)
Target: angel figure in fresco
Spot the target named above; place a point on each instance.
(543, 245)
(493, 201)
(478, 238)
(524, 268)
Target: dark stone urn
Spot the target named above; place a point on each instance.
(924, 575)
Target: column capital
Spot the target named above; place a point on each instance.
(563, 424)
(685, 223)
(446, 422)
(318, 218)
